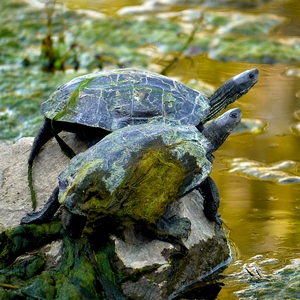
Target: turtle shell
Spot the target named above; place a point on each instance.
(115, 98)
(113, 158)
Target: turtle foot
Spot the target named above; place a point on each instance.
(46, 213)
(33, 218)
(209, 191)
(175, 226)
(217, 219)
(213, 216)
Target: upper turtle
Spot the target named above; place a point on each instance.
(116, 98)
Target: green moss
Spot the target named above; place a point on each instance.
(25, 238)
(77, 278)
(150, 185)
(90, 189)
(22, 269)
(217, 20)
(153, 180)
(253, 27)
(73, 100)
(78, 269)
(4, 294)
(110, 279)
(41, 287)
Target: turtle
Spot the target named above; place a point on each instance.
(96, 104)
(135, 172)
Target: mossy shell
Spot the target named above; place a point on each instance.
(148, 162)
(115, 98)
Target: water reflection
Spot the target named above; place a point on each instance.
(261, 216)
(264, 277)
(279, 172)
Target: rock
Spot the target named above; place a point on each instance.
(14, 191)
(154, 269)
(205, 251)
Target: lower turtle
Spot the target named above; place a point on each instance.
(96, 104)
(134, 173)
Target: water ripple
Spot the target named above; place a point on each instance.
(283, 172)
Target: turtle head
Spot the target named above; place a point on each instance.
(219, 129)
(231, 90)
(241, 84)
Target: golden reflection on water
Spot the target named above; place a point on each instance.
(262, 216)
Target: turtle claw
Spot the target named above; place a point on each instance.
(32, 217)
(217, 219)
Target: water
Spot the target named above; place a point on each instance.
(260, 207)
(261, 215)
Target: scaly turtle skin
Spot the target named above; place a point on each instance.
(96, 104)
(135, 172)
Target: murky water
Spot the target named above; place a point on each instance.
(261, 209)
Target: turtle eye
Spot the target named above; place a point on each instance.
(233, 115)
(251, 75)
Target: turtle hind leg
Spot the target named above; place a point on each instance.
(43, 136)
(209, 191)
(46, 213)
(175, 226)
(91, 135)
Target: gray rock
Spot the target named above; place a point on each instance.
(205, 251)
(162, 269)
(14, 191)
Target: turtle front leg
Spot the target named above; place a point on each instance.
(72, 223)
(46, 213)
(209, 191)
(175, 226)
